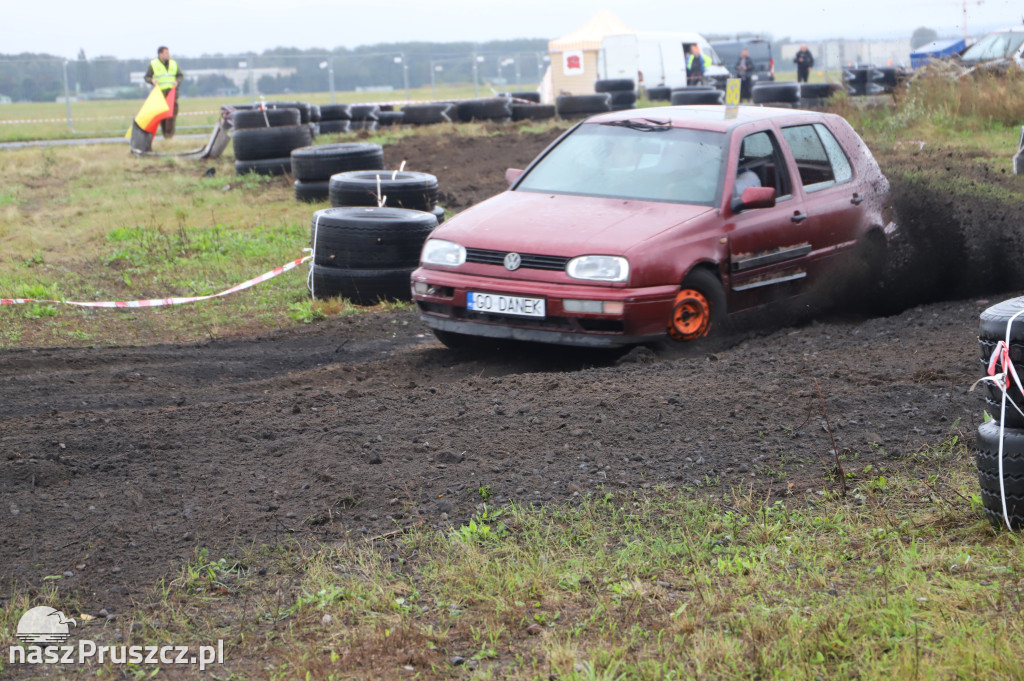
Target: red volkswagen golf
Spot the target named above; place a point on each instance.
(642, 223)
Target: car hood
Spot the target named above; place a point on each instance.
(563, 225)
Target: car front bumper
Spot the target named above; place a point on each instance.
(441, 297)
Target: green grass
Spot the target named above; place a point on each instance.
(902, 579)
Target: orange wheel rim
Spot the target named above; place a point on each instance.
(691, 316)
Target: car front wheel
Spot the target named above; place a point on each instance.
(699, 307)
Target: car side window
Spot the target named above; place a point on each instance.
(761, 159)
(819, 166)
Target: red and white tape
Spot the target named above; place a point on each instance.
(159, 302)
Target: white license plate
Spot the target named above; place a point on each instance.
(495, 303)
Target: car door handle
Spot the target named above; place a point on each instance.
(857, 199)
(798, 217)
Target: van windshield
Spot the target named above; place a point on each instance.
(616, 161)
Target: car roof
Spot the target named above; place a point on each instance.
(714, 118)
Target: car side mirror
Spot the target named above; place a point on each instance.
(754, 197)
(512, 175)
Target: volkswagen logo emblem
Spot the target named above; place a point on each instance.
(513, 261)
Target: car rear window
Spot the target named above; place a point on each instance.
(654, 164)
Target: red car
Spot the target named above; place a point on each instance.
(641, 223)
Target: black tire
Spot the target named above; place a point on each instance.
(987, 458)
(360, 238)
(270, 118)
(264, 166)
(364, 112)
(575, 105)
(817, 90)
(532, 112)
(614, 85)
(699, 309)
(322, 161)
(428, 114)
(691, 96)
(489, 109)
(334, 127)
(314, 113)
(623, 99)
(312, 192)
(992, 330)
(362, 287)
(659, 93)
(334, 112)
(528, 96)
(388, 118)
(439, 214)
(303, 107)
(404, 189)
(776, 93)
(260, 143)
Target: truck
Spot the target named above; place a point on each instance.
(656, 58)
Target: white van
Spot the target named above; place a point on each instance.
(655, 58)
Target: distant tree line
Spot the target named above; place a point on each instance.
(40, 77)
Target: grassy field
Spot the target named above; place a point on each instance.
(902, 579)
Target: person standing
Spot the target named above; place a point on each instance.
(696, 64)
(163, 72)
(745, 71)
(804, 60)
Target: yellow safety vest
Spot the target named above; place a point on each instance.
(704, 58)
(165, 77)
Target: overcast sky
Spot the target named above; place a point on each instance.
(191, 27)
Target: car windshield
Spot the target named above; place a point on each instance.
(633, 160)
(995, 46)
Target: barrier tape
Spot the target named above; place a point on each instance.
(100, 118)
(159, 302)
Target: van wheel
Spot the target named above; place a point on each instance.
(699, 307)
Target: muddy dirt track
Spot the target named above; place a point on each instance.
(116, 463)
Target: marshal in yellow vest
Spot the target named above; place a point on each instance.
(165, 77)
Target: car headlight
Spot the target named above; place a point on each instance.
(441, 252)
(598, 268)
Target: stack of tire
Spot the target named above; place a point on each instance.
(658, 93)
(334, 118)
(994, 322)
(861, 80)
(581, 106)
(526, 106)
(817, 94)
(366, 254)
(428, 114)
(497, 109)
(622, 90)
(776, 94)
(364, 117)
(264, 139)
(696, 94)
(314, 166)
(400, 189)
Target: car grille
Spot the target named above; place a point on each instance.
(530, 261)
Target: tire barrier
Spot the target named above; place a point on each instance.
(264, 166)
(531, 96)
(268, 118)
(403, 189)
(1000, 446)
(335, 126)
(487, 109)
(367, 126)
(428, 114)
(689, 96)
(316, 191)
(334, 112)
(364, 112)
(532, 112)
(390, 118)
(776, 93)
(615, 85)
(366, 254)
(575, 106)
(659, 93)
(268, 144)
(305, 109)
(871, 80)
(623, 99)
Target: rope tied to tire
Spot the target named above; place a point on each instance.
(1000, 359)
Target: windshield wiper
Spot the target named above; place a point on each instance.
(643, 124)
